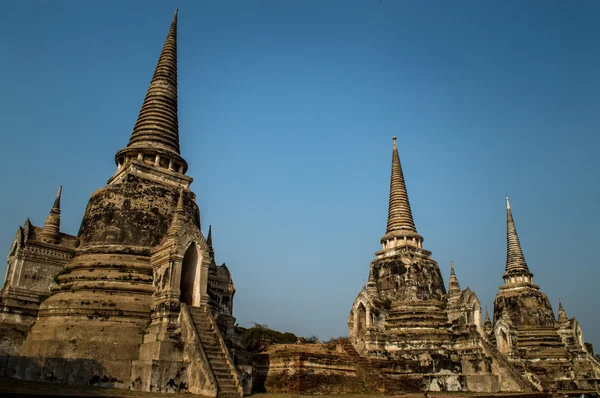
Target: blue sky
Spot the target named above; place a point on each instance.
(287, 109)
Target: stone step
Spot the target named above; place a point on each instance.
(209, 336)
(220, 359)
(211, 340)
(217, 358)
(230, 388)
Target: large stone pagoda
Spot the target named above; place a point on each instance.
(526, 331)
(404, 320)
(136, 300)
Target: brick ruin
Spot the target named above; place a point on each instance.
(137, 301)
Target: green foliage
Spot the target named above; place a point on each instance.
(311, 340)
(257, 333)
(260, 335)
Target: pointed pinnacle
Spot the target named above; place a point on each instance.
(562, 315)
(57, 200)
(560, 305)
(209, 238)
(452, 268)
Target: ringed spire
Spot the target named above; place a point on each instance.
(515, 260)
(399, 213)
(401, 230)
(156, 131)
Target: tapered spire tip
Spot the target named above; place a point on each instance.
(57, 200)
(399, 213)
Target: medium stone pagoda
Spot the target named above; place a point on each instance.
(526, 331)
(136, 300)
(404, 320)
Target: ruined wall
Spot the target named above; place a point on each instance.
(309, 369)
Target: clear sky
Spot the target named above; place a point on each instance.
(286, 112)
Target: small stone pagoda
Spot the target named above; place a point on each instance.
(526, 331)
(404, 318)
(136, 300)
(36, 257)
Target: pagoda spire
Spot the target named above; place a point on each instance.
(515, 260)
(401, 230)
(156, 131)
(487, 323)
(211, 250)
(453, 286)
(399, 213)
(562, 315)
(51, 230)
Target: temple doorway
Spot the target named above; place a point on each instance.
(190, 277)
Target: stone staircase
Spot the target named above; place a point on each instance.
(220, 363)
(390, 386)
(525, 377)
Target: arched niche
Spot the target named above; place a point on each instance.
(360, 322)
(190, 284)
(503, 345)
